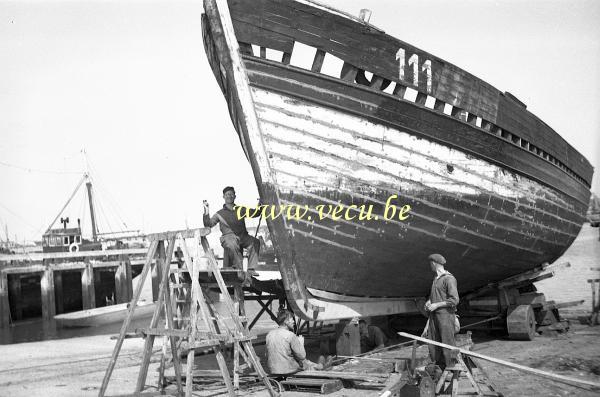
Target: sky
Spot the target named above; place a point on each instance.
(128, 83)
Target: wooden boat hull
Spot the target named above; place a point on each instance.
(104, 315)
(491, 208)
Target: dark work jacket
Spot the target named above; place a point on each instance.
(228, 221)
(444, 289)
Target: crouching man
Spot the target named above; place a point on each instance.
(371, 337)
(285, 349)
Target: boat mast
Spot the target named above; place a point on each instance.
(85, 176)
(88, 184)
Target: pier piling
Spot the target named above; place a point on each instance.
(58, 296)
(4, 304)
(48, 301)
(88, 293)
(123, 282)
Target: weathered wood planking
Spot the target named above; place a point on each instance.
(303, 139)
(387, 142)
(280, 23)
(382, 108)
(312, 163)
(480, 204)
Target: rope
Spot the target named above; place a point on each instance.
(28, 169)
(101, 190)
(83, 178)
(19, 217)
(480, 322)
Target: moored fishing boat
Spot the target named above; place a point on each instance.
(489, 185)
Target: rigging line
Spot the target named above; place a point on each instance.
(116, 208)
(83, 178)
(18, 216)
(27, 169)
(81, 211)
(99, 204)
(101, 208)
(109, 197)
(102, 191)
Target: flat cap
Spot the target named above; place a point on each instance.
(437, 258)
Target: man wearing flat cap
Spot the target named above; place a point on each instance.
(441, 307)
(234, 236)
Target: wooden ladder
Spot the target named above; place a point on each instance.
(479, 382)
(188, 297)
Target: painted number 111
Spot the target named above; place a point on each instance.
(413, 61)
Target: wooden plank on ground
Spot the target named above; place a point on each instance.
(545, 374)
(370, 377)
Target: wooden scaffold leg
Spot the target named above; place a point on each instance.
(190, 299)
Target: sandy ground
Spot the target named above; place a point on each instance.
(76, 366)
(575, 354)
(67, 367)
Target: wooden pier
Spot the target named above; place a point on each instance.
(51, 268)
(54, 272)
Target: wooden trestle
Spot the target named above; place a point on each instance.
(185, 301)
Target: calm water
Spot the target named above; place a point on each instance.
(568, 284)
(38, 330)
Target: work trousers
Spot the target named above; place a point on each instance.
(441, 329)
(233, 245)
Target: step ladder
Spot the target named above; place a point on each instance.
(184, 302)
(478, 384)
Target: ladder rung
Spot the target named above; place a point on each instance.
(185, 346)
(182, 300)
(242, 318)
(217, 339)
(181, 285)
(245, 338)
(206, 343)
(161, 331)
(179, 270)
(201, 335)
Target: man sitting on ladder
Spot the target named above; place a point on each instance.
(234, 237)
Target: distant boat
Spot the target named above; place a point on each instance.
(490, 185)
(70, 239)
(104, 315)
